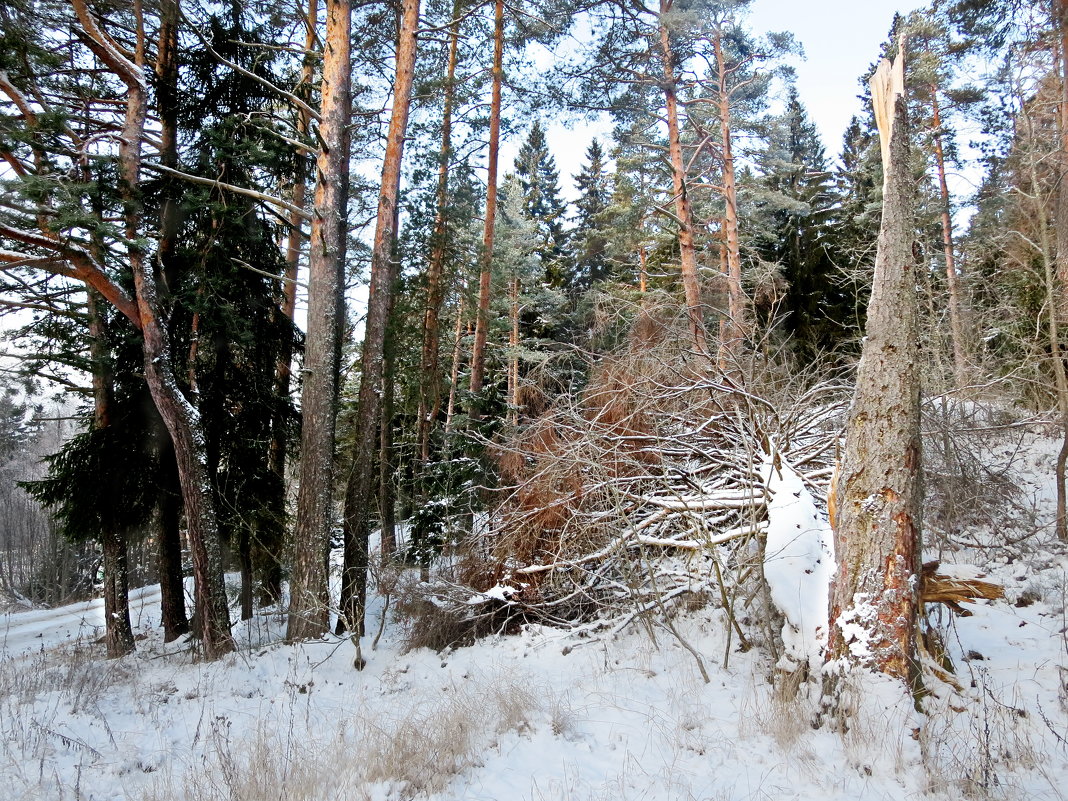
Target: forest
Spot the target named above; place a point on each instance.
(318, 370)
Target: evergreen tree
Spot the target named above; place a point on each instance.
(796, 205)
(535, 168)
(589, 238)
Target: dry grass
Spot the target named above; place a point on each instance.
(414, 753)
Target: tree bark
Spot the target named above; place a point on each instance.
(118, 634)
(691, 283)
(359, 493)
(732, 329)
(874, 599)
(478, 349)
(181, 418)
(309, 614)
(430, 368)
(956, 316)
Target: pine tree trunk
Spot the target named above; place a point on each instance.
(478, 349)
(732, 329)
(267, 550)
(359, 493)
(956, 316)
(1058, 294)
(387, 497)
(430, 382)
(874, 599)
(691, 283)
(118, 631)
(168, 516)
(181, 419)
(309, 600)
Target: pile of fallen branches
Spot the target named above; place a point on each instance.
(644, 493)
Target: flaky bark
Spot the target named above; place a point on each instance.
(360, 491)
(478, 349)
(308, 604)
(732, 329)
(691, 284)
(430, 368)
(267, 552)
(874, 600)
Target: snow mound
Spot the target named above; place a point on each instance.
(798, 562)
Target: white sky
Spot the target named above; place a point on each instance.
(841, 39)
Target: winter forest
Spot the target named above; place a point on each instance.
(351, 448)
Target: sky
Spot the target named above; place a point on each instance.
(841, 39)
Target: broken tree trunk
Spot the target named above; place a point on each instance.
(875, 596)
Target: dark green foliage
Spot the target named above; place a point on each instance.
(794, 231)
(589, 238)
(535, 168)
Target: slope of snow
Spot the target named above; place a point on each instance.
(542, 715)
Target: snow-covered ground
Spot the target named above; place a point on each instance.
(542, 715)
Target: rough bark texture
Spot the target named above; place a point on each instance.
(478, 349)
(691, 283)
(1059, 294)
(956, 315)
(118, 634)
(732, 329)
(360, 491)
(430, 368)
(180, 417)
(874, 600)
(309, 601)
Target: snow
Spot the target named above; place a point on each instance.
(547, 714)
(798, 561)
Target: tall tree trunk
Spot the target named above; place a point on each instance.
(956, 316)
(181, 418)
(118, 632)
(430, 384)
(309, 614)
(169, 554)
(732, 329)
(691, 283)
(478, 349)
(359, 493)
(267, 549)
(387, 496)
(1058, 295)
(875, 596)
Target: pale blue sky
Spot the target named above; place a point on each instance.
(841, 39)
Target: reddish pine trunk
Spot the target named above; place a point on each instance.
(359, 493)
(309, 613)
(478, 349)
(732, 329)
(691, 283)
(430, 386)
